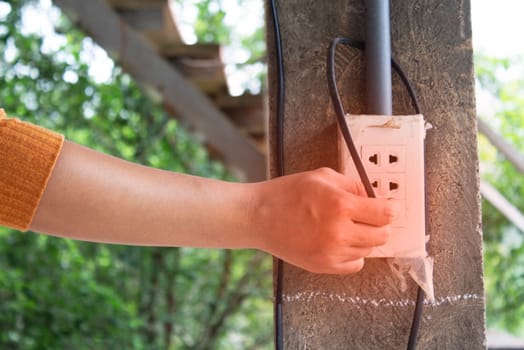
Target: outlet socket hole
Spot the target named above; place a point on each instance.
(375, 184)
(374, 159)
(393, 186)
(393, 159)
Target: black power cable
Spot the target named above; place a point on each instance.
(339, 110)
(279, 140)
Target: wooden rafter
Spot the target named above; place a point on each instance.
(509, 151)
(490, 193)
(146, 65)
(200, 51)
(500, 202)
(135, 4)
(144, 19)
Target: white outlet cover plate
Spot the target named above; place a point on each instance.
(392, 152)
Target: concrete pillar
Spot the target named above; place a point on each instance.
(431, 39)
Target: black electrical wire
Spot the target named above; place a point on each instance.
(280, 92)
(407, 84)
(417, 316)
(279, 144)
(339, 110)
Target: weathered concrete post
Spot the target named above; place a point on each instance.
(431, 39)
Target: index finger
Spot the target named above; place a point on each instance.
(365, 236)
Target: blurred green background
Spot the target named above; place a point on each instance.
(63, 294)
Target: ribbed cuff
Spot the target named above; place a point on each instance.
(28, 154)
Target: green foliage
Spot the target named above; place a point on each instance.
(503, 243)
(63, 294)
(52, 297)
(488, 70)
(209, 25)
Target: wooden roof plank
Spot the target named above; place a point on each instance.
(208, 75)
(170, 26)
(512, 213)
(508, 150)
(144, 19)
(143, 62)
(247, 111)
(135, 4)
(197, 51)
(166, 32)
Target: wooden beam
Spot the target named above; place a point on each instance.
(431, 39)
(170, 26)
(144, 19)
(509, 151)
(247, 111)
(147, 67)
(500, 202)
(242, 101)
(168, 34)
(207, 75)
(196, 51)
(135, 4)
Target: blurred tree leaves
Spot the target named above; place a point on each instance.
(503, 243)
(209, 26)
(62, 294)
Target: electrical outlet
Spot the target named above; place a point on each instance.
(383, 158)
(392, 152)
(388, 185)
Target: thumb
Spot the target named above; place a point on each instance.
(372, 211)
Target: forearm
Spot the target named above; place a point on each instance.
(95, 197)
(317, 220)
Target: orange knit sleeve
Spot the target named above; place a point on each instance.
(28, 154)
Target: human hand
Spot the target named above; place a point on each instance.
(319, 220)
